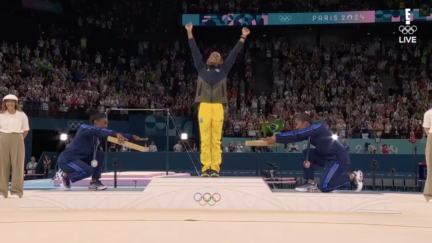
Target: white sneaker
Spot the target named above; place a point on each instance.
(2, 197)
(358, 180)
(430, 201)
(14, 196)
(307, 187)
(64, 182)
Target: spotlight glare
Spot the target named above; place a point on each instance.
(184, 136)
(335, 137)
(63, 137)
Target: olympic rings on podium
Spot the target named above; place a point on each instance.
(207, 198)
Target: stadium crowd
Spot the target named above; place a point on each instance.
(275, 6)
(340, 83)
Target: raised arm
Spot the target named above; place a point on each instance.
(229, 62)
(197, 57)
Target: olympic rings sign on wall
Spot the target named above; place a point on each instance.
(284, 18)
(207, 198)
(74, 125)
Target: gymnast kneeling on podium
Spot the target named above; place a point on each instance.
(328, 153)
(84, 156)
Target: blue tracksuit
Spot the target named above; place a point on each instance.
(76, 158)
(327, 153)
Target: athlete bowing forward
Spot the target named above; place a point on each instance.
(84, 156)
(328, 153)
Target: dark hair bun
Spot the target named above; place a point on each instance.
(91, 111)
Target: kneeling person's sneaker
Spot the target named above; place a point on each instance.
(64, 182)
(358, 180)
(97, 185)
(307, 187)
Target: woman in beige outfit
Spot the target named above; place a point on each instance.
(14, 127)
(427, 123)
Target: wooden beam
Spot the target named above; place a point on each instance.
(127, 144)
(259, 143)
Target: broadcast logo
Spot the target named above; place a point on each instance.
(408, 30)
(207, 198)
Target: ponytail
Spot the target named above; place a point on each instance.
(94, 115)
(305, 116)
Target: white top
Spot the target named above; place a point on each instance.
(177, 148)
(427, 120)
(153, 148)
(239, 149)
(14, 123)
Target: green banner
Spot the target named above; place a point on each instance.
(355, 146)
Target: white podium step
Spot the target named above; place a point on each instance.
(211, 194)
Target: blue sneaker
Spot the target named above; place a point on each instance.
(97, 186)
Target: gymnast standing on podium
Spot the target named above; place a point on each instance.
(328, 153)
(212, 95)
(84, 156)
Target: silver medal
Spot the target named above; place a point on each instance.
(94, 163)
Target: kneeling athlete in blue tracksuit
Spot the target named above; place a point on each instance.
(328, 153)
(75, 162)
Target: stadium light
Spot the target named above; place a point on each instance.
(335, 137)
(63, 137)
(184, 136)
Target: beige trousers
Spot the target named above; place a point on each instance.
(12, 154)
(428, 187)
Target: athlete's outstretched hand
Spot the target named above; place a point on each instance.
(121, 138)
(189, 27)
(270, 140)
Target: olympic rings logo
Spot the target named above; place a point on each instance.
(408, 29)
(283, 18)
(207, 198)
(74, 125)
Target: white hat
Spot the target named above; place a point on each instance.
(10, 97)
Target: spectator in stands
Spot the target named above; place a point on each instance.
(293, 147)
(153, 147)
(14, 127)
(31, 166)
(239, 147)
(345, 145)
(47, 165)
(178, 147)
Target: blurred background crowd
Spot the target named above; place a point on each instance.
(118, 54)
